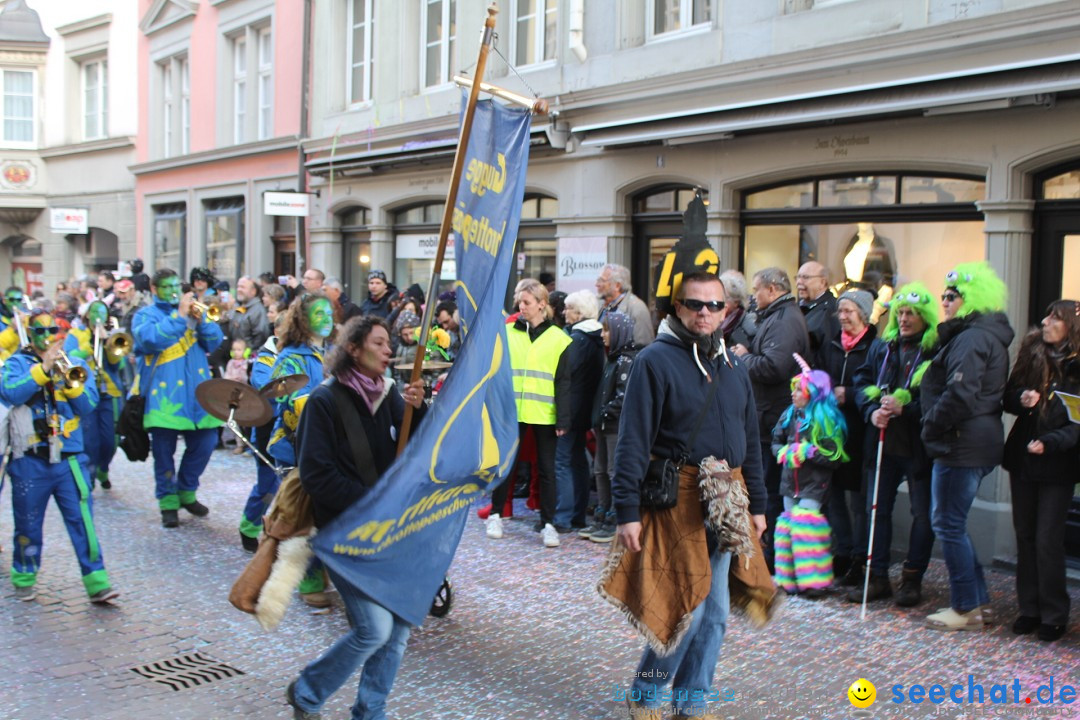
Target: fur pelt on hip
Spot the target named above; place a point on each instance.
(289, 568)
(727, 507)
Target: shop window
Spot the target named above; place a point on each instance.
(225, 237)
(284, 242)
(169, 231)
(416, 231)
(536, 240)
(874, 231)
(1065, 186)
(356, 245)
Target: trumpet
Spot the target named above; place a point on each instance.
(74, 375)
(212, 312)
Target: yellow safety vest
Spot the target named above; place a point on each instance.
(534, 364)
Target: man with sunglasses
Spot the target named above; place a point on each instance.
(666, 398)
(172, 340)
(770, 360)
(49, 459)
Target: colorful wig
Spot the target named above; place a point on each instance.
(918, 298)
(821, 418)
(982, 290)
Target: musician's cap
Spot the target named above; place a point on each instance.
(124, 285)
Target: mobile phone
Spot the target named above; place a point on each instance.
(283, 279)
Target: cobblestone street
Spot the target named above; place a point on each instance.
(527, 638)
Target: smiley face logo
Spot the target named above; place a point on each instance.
(862, 693)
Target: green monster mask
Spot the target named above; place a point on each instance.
(321, 317)
(43, 331)
(12, 300)
(169, 290)
(97, 313)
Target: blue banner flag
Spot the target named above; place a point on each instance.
(397, 542)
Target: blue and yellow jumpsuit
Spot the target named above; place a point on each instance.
(99, 428)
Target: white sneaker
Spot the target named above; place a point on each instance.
(493, 527)
(550, 536)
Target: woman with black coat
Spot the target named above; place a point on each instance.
(1041, 457)
(840, 356)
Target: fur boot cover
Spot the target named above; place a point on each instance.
(290, 566)
(727, 507)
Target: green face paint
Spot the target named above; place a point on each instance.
(13, 300)
(43, 331)
(321, 317)
(169, 290)
(97, 313)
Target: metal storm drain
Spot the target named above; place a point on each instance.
(186, 671)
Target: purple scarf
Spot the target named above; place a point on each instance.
(370, 389)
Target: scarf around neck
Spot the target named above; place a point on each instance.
(850, 341)
(368, 388)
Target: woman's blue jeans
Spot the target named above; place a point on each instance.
(952, 492)
(376, 641)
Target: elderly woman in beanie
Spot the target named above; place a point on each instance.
(840, 356)
(405, 327)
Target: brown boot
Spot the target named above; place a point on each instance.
(640, 712)
(878, 588)
(909, 594)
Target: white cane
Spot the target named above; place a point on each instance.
(873, 523)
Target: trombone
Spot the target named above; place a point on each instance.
(212, 312)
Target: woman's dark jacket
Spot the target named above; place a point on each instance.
(841, 366)
(1048, 421)
(586, 365)
(327, 469)
(962, 391)
(889, 366)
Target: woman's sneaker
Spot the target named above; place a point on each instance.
(550, 536)
(493, 527)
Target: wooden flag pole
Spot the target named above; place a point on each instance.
(444, 229)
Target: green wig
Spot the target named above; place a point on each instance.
(918, 298)
(982, 290)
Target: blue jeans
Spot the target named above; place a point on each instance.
(375, 641)
(894, 470)
(571, 479)
(952, 492)
(690, 667)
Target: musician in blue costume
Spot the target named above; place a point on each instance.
(172, 339)
(49, 458)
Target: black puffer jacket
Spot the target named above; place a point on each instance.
(962, 391)
(1048, 422)
(620, 360)
(841, 366)
(380, 307)
(781, 332)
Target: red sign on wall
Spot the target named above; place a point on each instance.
(27, 276)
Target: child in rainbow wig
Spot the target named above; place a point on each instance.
(808, 443)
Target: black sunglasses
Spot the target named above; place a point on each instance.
(950, 296)
(52, 330)
(694, 305)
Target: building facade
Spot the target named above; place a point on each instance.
(219, 127)
(889, 139)
(66, 196)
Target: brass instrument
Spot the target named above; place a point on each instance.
(74, 375)
(119, 344)
(212, 312)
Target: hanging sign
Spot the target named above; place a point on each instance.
(69, 221)
(293, 204)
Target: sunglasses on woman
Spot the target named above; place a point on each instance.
(693, 305)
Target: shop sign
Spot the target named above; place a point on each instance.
(292, 204)
(580, 260)
(422, 247)
(69, 221)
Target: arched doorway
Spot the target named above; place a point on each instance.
(657, 221)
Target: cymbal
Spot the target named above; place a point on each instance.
(284, 385)
(428, 365)
(219, 395)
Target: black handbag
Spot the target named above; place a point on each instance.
(134, 439)
(660, 488)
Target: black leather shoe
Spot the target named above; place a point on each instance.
(909, 594)
(1025, 625)
(878, 589)
(250, 544)
(1050, 633)
(170, 518)
(196, 508)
